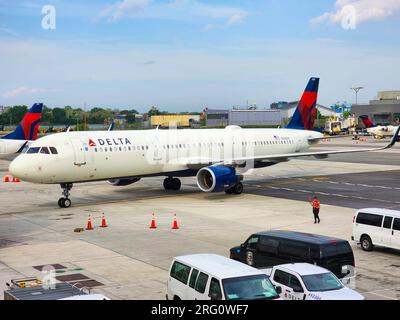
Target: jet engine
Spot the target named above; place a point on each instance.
(217, 179)
(123, 182)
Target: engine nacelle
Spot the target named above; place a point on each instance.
(217, 179)
(123, 182)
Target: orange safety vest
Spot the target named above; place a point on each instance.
(315, 204)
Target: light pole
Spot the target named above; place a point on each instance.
(356, 89)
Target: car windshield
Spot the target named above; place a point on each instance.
(322, 282)
(249, 288)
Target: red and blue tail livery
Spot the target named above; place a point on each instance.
(28, 128)
(367, 122)
(304, 116)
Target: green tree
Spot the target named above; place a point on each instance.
(47, 116)
(59, 116)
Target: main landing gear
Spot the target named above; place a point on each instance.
(65, 202)
(236, 189)
(172, 184)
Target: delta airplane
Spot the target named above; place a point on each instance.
(378, 131)
(25, 132)
(216, 157)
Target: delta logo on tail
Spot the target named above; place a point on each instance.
(366, 121)
(28, 128)
(304, 116)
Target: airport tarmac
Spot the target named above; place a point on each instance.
(127, 260)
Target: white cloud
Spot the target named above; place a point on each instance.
(8, 31)
(174, 10)
(236, 18)
(124, 8)
(350, 13)
(22, 91)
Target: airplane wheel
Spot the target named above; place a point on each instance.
(61, 202)
(238, 188)
(176, 184)
(167, 183)
(67, 203)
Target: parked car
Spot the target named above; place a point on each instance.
(271, 248)
(375, 226)
(304, 281)
(213, 277)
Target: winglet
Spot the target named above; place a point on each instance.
(394, 139)
(111, 127)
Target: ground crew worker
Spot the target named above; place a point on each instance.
(316, 205)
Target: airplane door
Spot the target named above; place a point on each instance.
(79, 151)
(157, 153)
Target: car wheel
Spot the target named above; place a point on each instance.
(366, 243)
(238, 188)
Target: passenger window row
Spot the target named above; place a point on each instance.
(260, 143)
(376, 220)
(187, 146)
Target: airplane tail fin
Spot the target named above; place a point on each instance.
(304, 116)
(28, 128)
(367, 121)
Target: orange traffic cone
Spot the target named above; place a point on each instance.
(89, 223)
(15, 180)
(175, 223)
(153, 222)
(7, 179)
(103, 221)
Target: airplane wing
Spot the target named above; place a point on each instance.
(193, 162)
(331, 137)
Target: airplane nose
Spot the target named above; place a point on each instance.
(17, 168)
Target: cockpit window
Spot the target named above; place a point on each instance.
(53, 150)
(45, 150)
(33, 150)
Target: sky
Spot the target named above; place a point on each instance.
(185, 55)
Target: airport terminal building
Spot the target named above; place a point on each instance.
(242, 117)
(384, 110)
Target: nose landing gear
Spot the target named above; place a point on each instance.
(65, 202)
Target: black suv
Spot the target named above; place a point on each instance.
(271, 248)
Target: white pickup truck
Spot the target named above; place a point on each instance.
(304, 281)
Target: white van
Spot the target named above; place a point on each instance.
(213, 277)
(379, 227)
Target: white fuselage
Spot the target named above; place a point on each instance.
(104, 155)
(382, 131)
(10, 146)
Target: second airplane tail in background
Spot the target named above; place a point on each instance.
(28, 128)
(366, 121)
